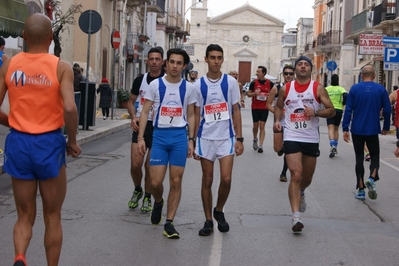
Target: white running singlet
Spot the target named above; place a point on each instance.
(297, 126)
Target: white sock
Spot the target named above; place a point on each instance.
(296, 214)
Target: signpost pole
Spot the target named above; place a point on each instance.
(85, 127)
(115, 42)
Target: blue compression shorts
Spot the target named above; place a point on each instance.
(169, 145)
(32, 157)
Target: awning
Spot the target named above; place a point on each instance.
(13, 14)
(362, 64)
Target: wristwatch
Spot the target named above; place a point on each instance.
(316, 113)
(397, 143)
(240, 139)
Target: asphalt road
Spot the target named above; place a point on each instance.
(99, 229)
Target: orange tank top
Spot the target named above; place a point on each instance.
(34, 93)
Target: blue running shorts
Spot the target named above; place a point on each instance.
(32, 157)
(169, 145)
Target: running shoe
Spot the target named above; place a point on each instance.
(283, 177)
(333, 151)
(302, 204)
(371, 187)
(297, 224)
(255, 144)
(207, 230)
(260, 149)
(223, 226)
(146, 207)
(360, 195)
(20, 260)
(169, 231)
(367, 158)
(156, 214)
(134, 201)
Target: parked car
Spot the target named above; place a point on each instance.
(245, 88)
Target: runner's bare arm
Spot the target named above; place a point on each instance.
(3, 90)
(329, 110)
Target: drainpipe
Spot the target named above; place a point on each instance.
(145, 33)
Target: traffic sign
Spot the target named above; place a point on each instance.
(331, 65)
(90, 21)
(390, 40)
(391, 55)
(115, 39)
(391, 67)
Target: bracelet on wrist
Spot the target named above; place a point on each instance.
(138, 139)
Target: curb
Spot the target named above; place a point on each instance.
(102, 132)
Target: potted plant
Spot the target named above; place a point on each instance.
(143, 38)
(123, 97)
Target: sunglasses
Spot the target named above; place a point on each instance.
(289, 73)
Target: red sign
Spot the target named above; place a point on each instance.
(371, 44)
(115, 39)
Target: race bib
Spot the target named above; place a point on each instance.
(299, 121)
(172, 116)
(262, 96)
(150, 113)
(216, 112)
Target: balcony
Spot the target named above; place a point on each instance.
(321, 39)
(288, 40)
(359, 22)
(157, 6)
(173, 23)
(383, 13)
(333, 37)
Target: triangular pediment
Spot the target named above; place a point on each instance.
(246, 14)
(245, 53)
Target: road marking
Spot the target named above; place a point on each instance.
(216, 253)
(390, 165)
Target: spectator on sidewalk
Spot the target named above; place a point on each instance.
(105, 97)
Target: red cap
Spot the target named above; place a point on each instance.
(104, 80)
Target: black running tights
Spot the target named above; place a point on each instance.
(373, 145)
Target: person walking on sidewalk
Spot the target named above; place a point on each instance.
(172, 99)
(140, 87)
(259, 90)
(362, 113)
(105, 97)
(301, 99)
(41, 97)
(338, 97)
(219, 134)
(288, 75)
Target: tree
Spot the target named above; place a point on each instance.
(61, 21)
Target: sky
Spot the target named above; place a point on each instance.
(288, 11)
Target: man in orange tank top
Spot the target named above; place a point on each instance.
(40, 89)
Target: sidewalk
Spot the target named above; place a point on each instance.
(101, 129)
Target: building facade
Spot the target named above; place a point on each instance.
(248, 36)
